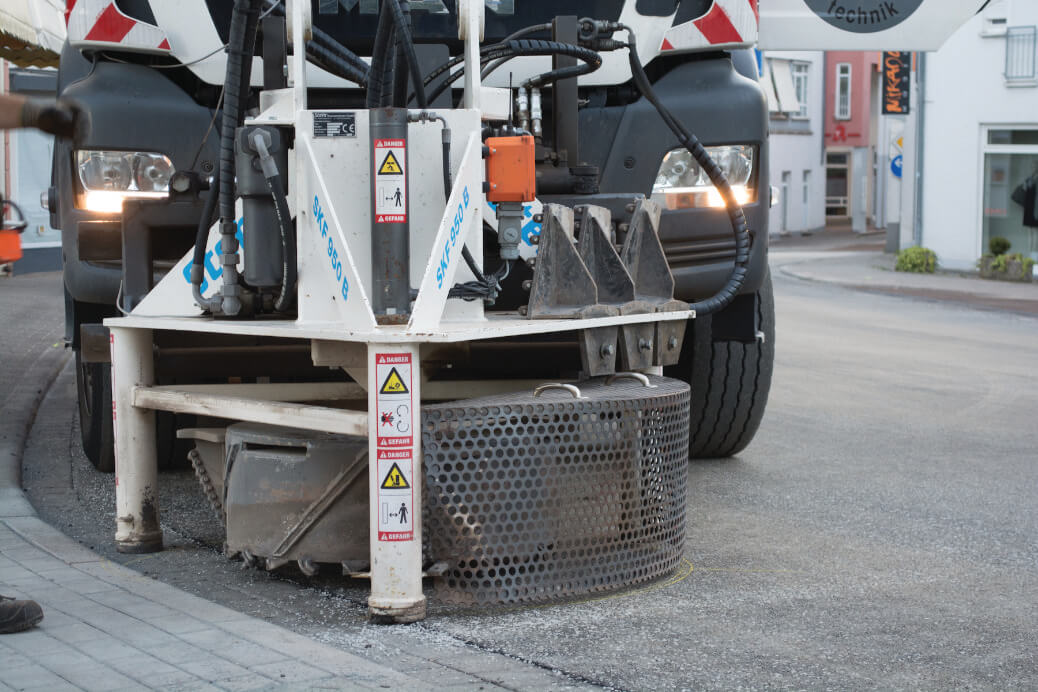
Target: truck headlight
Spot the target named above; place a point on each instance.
(109, 177)
(682, 184)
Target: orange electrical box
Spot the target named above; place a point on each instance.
(511, 175)
(10, 246)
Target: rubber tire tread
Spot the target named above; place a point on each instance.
(730, 382)
(95, 422)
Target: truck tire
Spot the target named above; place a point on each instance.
(94, 390)
(730, 381)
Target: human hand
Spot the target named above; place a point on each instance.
(61, 118)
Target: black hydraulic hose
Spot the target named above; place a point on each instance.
(402, 65)
(737, 278)
(401, 68)
(326, 41)
(328, 61)
(590, 60)
(485, 55)
(380, 80)
(231, 106)
(202, 239)
(405, 51)
(240, 48)
(526, 31)
(448, 185)
(288, 248)
(458, 59)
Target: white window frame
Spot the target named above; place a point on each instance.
(801, 72)
(843, 80)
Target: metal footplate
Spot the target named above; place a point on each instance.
(565, 491)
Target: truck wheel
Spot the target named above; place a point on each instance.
(94, 387)
(730, 381)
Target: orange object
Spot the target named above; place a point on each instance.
(510, 169)
(10, 246)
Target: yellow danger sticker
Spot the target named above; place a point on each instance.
(395, 479)
(390, 166)
(394, 384)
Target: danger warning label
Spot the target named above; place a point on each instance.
(390, 181)
(394, 384)
(390, 166)
(395, 499)
(395, 460)
(395, 479)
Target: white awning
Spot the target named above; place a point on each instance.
(31, 26)
(782, 78)
(769, 87)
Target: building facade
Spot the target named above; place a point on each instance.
(794, 83)
(978, 169)
(851, 132)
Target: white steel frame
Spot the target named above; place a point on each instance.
(340, 324)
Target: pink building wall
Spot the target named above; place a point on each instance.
(855, 131)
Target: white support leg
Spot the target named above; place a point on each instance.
(395, 482)
(136, 466)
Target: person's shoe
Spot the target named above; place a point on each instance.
(16, 616)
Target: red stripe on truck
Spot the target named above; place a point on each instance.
(717, 27)
(112, 25)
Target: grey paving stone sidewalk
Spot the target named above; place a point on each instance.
(874, 271)
(107, 627)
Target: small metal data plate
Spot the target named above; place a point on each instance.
(335, 124)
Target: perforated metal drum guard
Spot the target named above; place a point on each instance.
(537, 498)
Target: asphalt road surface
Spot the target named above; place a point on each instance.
(880, 532)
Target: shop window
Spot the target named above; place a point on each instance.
(1010, 204)
(843, 91)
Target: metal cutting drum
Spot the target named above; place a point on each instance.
(563, 491)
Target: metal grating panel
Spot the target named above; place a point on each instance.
(536, 498)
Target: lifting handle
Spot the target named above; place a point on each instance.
(572, 389)
(633, 375)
